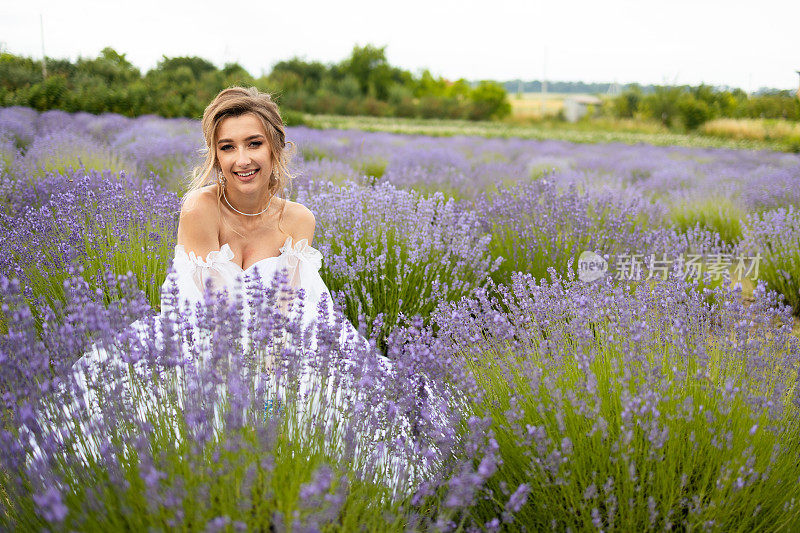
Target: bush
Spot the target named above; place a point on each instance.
(390, 253)
(489, 100)
(693, 112)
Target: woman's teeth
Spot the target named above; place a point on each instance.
(245, 174)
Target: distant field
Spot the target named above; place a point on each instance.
(629, 132)
(537, 105)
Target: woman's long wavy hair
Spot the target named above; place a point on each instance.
(234, 102)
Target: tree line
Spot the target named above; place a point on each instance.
(362, 84)
(691, 106)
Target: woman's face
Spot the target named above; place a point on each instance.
(243, 153)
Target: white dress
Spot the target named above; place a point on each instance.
(307, 304)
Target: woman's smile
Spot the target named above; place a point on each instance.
(246, 176)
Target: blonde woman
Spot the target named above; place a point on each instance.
(235, 215)
(236, 226)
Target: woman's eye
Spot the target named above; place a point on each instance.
(225, 147)
(255, 143)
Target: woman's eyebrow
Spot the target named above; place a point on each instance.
(251, 137)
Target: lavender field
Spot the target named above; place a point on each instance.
(530, 390)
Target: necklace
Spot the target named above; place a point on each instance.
(247, 214)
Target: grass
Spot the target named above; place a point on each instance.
(719, 214)
(757, 129)
(581, 132)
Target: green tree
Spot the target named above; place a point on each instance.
(693, 111)
(111, 67)
(626, 105)
(489, 100)
(662, 104)
(368, 65)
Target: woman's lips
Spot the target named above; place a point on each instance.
(246, 178)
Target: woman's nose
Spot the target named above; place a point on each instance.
(242, 158)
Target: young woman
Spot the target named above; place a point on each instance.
(235, 217)
(289, 354)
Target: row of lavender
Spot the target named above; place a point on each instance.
(549, 200)
(600, 405)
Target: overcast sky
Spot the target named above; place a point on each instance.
(722, 42)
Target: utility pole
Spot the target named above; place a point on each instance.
(44, 57)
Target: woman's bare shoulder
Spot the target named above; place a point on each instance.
(200, 201)
(299, 220)
(198, 227)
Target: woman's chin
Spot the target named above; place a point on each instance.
(256, 187)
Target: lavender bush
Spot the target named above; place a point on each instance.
(18, 124)
(166, 148)
(535, 227)
(61, 150)
(631, 409)
(391, 253)
(775, 235)
(95, 222)
(187, 444)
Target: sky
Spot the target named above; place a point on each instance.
(745, 44)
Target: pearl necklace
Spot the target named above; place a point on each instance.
(247, 214)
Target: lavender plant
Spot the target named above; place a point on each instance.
(535, 227)
(8, 153)
(61, 150)
(166, 148)
(167, 427)
(775, 237)
(391, 253)
(629, 408)
(95, 222)
(18, 124)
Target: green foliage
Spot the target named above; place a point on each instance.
(362, 84)
(662, 105)
(693, 112)
(489, 100)
(293, 118)
(695, 105)
(627, 104)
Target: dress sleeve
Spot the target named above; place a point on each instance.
(191, 274)
(303, 262)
